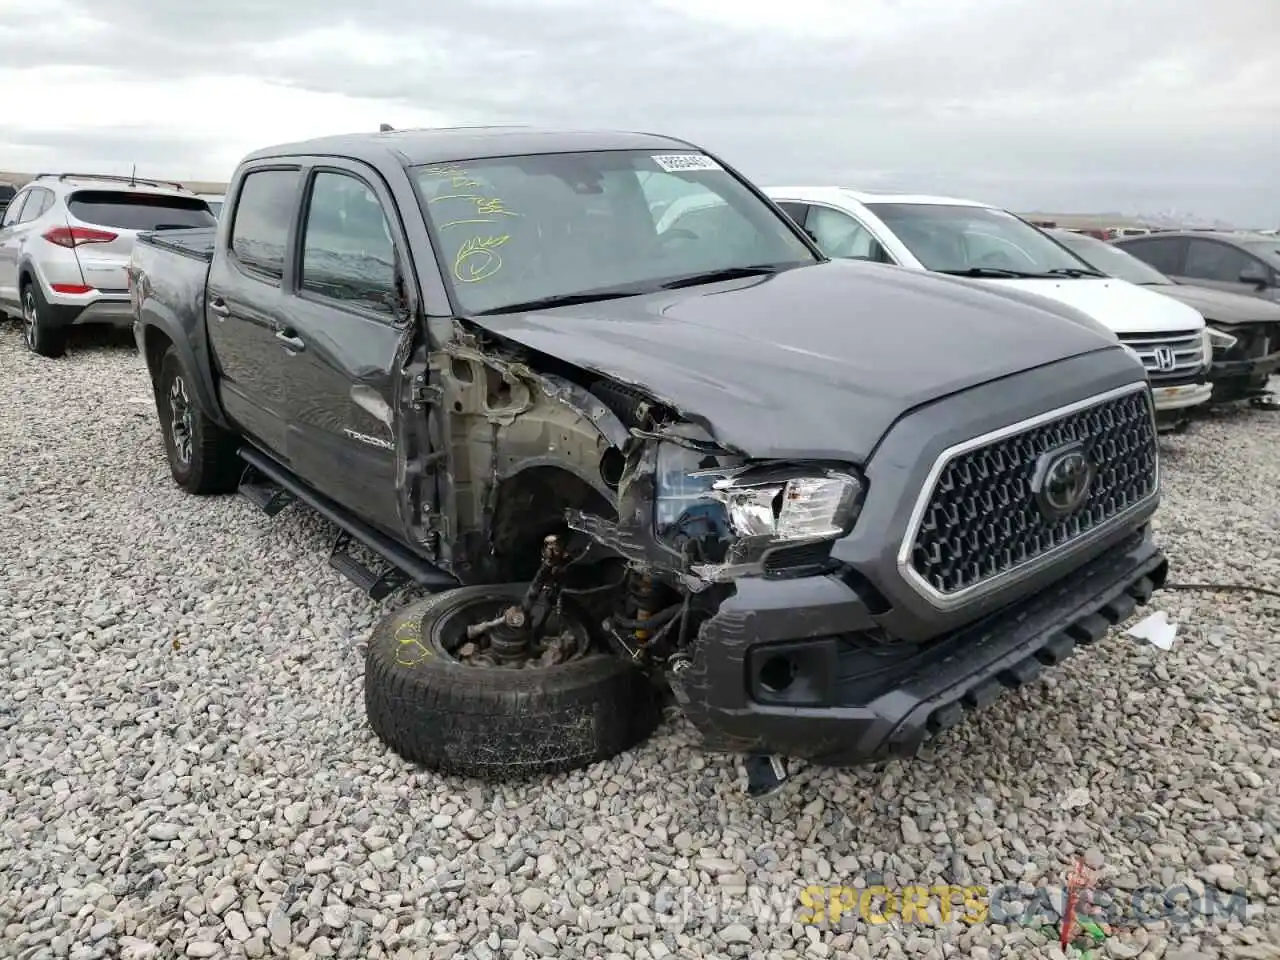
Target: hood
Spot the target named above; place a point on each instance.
(1123, 307)
(1222, 306)
(814, 362)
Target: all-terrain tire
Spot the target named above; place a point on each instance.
(497, 723)
(38, 331)
(207, 462)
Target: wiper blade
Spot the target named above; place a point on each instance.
(989, 272)
(728, 273)
(559, 300)
(1073, 272)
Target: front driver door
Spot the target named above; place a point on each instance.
(1213, 263)
(349, 322)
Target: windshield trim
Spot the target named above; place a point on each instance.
(446, 279)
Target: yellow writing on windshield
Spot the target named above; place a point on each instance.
(478, 259)
(484, 207)
(457, 177)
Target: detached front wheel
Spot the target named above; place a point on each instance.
(439, 698)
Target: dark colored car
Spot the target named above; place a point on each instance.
(1245, 330)
(1244, 263)
(830, 506)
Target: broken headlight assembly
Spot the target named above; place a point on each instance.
(733, 519)
(1216, 342)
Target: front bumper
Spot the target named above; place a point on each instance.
(1181, 396)
(1241, 379)
(855, 695)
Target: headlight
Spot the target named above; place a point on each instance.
(726, 517)
(796, 508)
(1217, 340)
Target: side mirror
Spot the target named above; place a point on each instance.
(1257, 275)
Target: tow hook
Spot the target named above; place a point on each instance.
(766, 775)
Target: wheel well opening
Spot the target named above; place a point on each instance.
(529, 507)
(155, 344)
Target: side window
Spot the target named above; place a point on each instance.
(1209, 260)
(1164, 255)
(263, 213)
(40, 202)
(840, 235)
(347, 251)
(14, 209)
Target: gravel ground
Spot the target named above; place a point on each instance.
(186, 770)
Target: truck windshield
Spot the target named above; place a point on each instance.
(955, 238)
(1113, 261)
(568, 226)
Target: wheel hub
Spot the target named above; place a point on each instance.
(180, 420)
(29, 318)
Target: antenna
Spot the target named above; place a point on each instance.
(133, 176)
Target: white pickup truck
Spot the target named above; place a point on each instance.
(970, 239)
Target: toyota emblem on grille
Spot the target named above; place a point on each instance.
(1061, 481)
(1165, 359)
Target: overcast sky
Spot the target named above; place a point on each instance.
(1061, 105)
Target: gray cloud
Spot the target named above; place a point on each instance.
(1096, 104)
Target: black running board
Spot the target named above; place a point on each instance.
(414, 568)
(377, 586)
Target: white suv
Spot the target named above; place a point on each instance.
(969, 239)
(65, 242)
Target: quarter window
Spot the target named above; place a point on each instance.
(264, 211)
(348, 253)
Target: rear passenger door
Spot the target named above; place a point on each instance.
(1166, 254)
(348, 320)
(247, 304)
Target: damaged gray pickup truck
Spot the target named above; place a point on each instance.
(639, 439)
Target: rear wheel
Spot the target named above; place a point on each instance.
(439, 699)
(202, 456)
(40, 336)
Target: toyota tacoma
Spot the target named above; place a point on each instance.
(826, 507)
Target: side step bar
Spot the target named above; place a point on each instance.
(378, 586)
(412, 568)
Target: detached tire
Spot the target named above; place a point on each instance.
(495, 722)
(202, 456)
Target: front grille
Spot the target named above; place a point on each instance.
(982, 520)
(1168, 356)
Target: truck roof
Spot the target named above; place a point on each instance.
(443, 144)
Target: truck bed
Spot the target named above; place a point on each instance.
(195, 242)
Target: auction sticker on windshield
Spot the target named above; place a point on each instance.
(685, 162)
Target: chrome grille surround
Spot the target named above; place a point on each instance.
(1186, 348)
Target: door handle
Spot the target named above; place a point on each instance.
(290, 340)
(218, 307)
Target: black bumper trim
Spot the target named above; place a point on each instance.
(935, 689)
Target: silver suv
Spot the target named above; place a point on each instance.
(65, 242)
